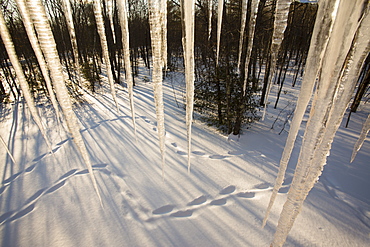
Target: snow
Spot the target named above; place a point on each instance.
(221, 203)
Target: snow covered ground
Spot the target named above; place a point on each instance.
(49, 200)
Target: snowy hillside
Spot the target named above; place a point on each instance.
(49, 200)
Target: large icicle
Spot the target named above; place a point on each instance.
(252, 27)
(220, 10)
(104, 46)
(48, 46)
(164, 33)
(156, 41)
(242, 28)
(187, 12)
(210, 11)
(361, 139)
(322, 29)
(280, 24)
(72, 34)
(13, 57)
(126, 56)
(110, 13)
(360, 51)
(331, 99)
(36, 48)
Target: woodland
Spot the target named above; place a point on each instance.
(230, 53)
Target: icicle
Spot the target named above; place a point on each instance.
(210, 11)
(242, 28)
(72, 34)
(187, 12)
(331, 99)
(280, 23)
(252, 27)
(110, 17)
(164, 33)
(322, 30)
(104, 46)
(156, 40)
(13, 57)
(7, 150)
(126, 56)
(361, 139)
(48, 46)
(40, 58)
(220, 10)
(362, 35)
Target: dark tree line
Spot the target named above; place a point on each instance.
(219, 95)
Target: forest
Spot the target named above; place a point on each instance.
(59, 55)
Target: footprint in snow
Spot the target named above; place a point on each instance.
(29, 169)
(198, 201)
(262, 186)
(200, 153)
(174, 144)
(37, 159)
(218, 156)
(100, 165)
(95, 126)
(288, 181)
(218, 202)
(56, 149)
(235, 152)
(228, 190)
(164, 209)
(22, 213)
(283, 190)
(55, 187)
(62, 142)
(71, 172)
(5, 216)
(182, 213)
(34, 196)
(82, 172)
(11, 178)
(182, 153)
(188, 210)
(246, 194)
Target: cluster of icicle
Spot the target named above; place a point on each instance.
(41, 38)
(339, 44)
